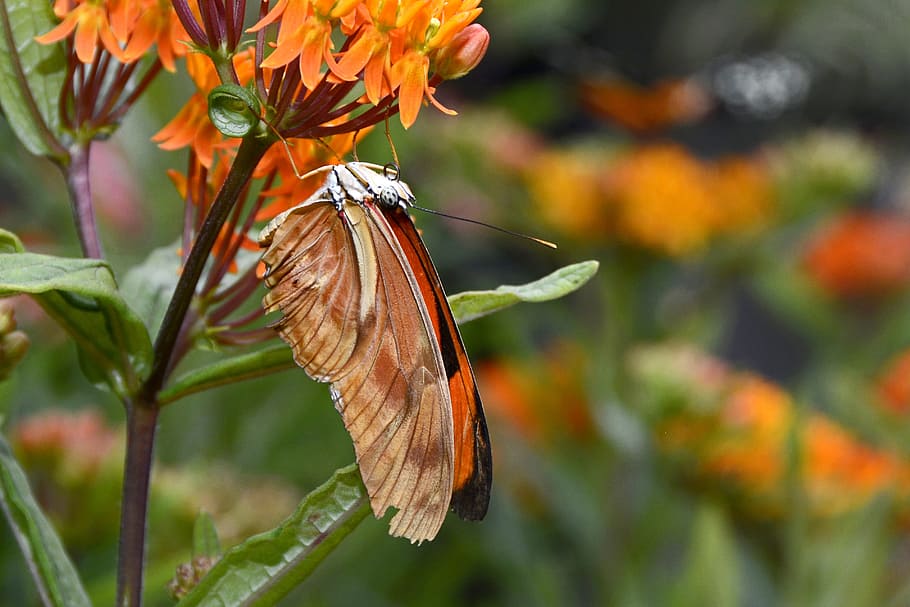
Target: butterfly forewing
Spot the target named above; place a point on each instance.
(473, 474)
(354, 317)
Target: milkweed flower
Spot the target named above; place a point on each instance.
(105, 39)
(398, 47)
(737, 431)
(658, 197)
(89, 23)
(860, 254)
(126, 29)
(893, 385)
(304, 90)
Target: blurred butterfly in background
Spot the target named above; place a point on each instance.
(641, 109)
(363, 309)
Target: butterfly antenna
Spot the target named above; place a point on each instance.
(545, 243)
(388, 136)
(287, 149)
(354, 145)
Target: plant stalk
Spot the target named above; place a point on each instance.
(142, 413)
(140, 440)
(248, 155)
(77, 180)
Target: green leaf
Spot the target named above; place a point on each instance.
(54, 574)
(32, 75)
(148, 287)
(82, 296)
(474, 304)
(205, 537)
(267, 566)
(238, 368)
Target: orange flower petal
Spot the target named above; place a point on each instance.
(61, 31)
(410, 73)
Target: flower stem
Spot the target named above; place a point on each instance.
(142, 413)
(248, 155)
(140, 441)
(77, 179)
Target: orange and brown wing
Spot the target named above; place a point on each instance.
(354, 317)
(473, 461)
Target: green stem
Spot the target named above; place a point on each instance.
(248, 155)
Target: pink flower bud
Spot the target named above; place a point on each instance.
(463, 53)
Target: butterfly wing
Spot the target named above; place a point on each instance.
(354, 317)
(473, 475)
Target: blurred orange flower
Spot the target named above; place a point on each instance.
(744, 192)
(861, 254)
(74, 460)
(662, 200)
(567, 186)
(77, 443)
(744, 440)
(659, 197)
(893, 385)
(543, 399)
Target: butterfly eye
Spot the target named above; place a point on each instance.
(388, 197)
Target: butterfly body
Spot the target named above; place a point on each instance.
(363, 310)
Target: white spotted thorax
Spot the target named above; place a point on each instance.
(357, 182)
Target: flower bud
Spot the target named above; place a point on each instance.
(12, 348)
(7, 320)
(463, 53)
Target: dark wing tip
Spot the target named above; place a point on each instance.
(471, 500)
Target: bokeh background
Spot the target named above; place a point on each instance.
(719, 418)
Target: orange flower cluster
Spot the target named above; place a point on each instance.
(391, 46)
(212, 154)
(395, 44)
(126, 29)
(861, 254)
(658, 197)
(735, 430)
(541, 399)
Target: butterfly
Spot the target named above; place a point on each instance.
(363, 309)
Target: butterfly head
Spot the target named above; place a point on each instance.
(390, 191)
(382, 184)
